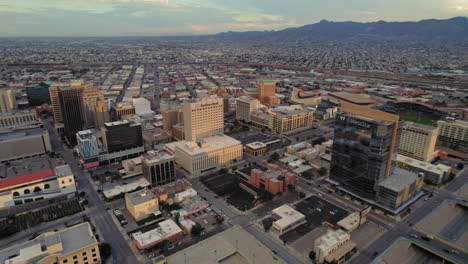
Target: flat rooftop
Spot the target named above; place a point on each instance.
(207, 144)
(72, 239)
(288, 215)
(165, 229)
(399, 179)
(153, 156)
(420, 126)
(439, 168)
(234, 245)
(256, 145)
(22, 134)
(354, 98)
(140, 197)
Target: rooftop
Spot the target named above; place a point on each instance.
(22, 134)
(331, 238)
(420, 126)
(256, 145)
(439, 168)
(288, 215)
(399, 179)
(354, 98)
(153, 156)
(140, 197)
(165, 229)
(26, 178)
(208, 144)
(32, 251)
(233, 245)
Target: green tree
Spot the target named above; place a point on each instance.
(322, 171)
(196, 229)
(105, 250)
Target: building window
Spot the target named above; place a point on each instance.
(46, 186)
(93, 250)
(16, 194)
(26, 191)
(84, 253)
(94, 255)
(65, 261)
(37, 189)
(75, 257)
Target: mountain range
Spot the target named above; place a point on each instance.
(453, 29)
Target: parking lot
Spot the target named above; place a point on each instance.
(206, 218)
(316, 211)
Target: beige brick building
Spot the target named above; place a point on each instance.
(290, 118)
(418, 141)
(453, 133)
(245, 105)
(73, 245)
(203, 117)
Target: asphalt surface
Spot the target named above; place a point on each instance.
(96, 209)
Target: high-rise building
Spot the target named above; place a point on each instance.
(7, 100)
(72, 112)
(87, 144)
(101, 114)
(123, 109)
(203, 117)
(89, 99)
(39, 94)
(245, 105)
(121, 135)
(54, 99)
(453, 133)
(288, 118)
(266, 90)
(158, 167)
(171, 116)
(418, 141)
(142, 106)
(365, 142)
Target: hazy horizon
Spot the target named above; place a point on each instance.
(122, 18)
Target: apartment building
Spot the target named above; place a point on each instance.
(245, 105)
(203, 117)
(418, 141)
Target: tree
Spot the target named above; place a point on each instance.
(291, 187)
(312, 255)
(322, 171)
(105, 250)
(196, 229)
(302, 195)
(275, 156)
(308, 174)
(223, 171)
(177, 217)
(460, 166)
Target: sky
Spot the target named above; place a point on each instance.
(197, 17)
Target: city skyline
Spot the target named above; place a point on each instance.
(199, 17)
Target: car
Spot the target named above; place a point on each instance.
(375, 254)
(171, 247)
(454, 251)
(320, 195)
(274, 252)
(414, 236)
(202, 233)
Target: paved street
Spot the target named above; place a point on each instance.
(96, 209)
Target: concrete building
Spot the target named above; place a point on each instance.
(287, 219)
(255, 149)
(274, 180)
(398, 188)
(142, 106)
(245, 105)
(54, 99)
(7, 101)
(141, 204)
(203, 117)
(121, 135)
(234, 245)
(43, 185)
(123, 109)
(351, 222)
(131, 167)
(18, 118)
(262, 118)
(167, 230)
(158, 167)
(72, 112)
(266, 92)
(87, 144)
(358, 163)
(289, 118)
(418, 141)
(178, 132)
(335, 246)
(100, 114)
(172, 116)
(89, 99)
(453, 133)
(344, 97)
(168, 192)
(207, 154)
(18, 145)
(434, 174)
(75, 244)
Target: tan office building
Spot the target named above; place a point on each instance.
(100, 114)
(19, 118)
(7, 101)
(171, 117)
(203, 117)
(123, 109)
(141, 204)
(24, 144)
(418, 141)
(453, 133)
(89, 98)
(290, 118)
(208, 154)
(75, 244)
(333, 247)
(245, 105)
(54, 99)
